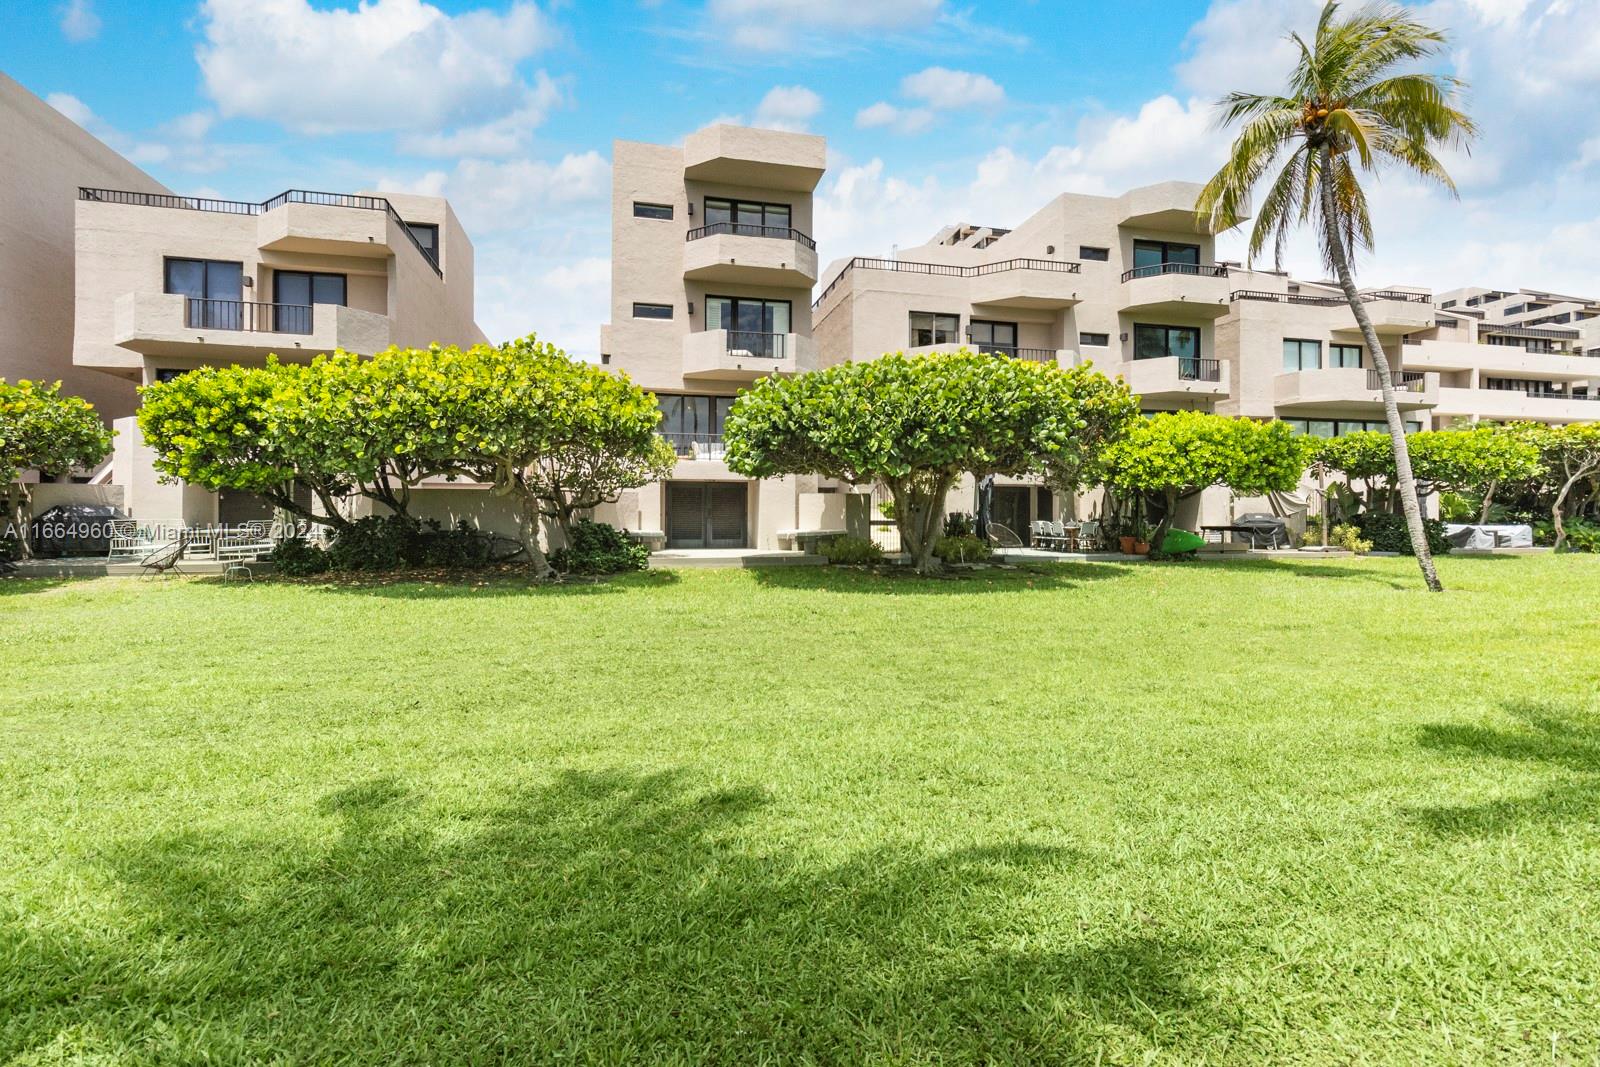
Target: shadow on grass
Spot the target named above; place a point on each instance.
(16, 585)
(442, 585)
(604, 917)
(902, 580)
(1557, 737)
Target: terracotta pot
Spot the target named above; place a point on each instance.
(1126, 544)
(1141, 548)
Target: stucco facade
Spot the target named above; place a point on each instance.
(712, 271)
(165, 284)
(44, 158)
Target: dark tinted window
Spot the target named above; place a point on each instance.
(652, 311)
(651, 211)
(1094, 340)
(1090, 252)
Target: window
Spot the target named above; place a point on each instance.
(993, 336)
(1162, 342)
(304, 287)
(1340, 427)
(932, 328)
(652, 311)
(1093, 254)
(1345, 355)
(748, 217)
(214, 288)
(1447, 305)
(605, 359)
(692, 419)
(1094, 340)
(166, 374)
(1154, 253)
(1301, 355)
(758, 327)
(651, 211)
(1514, 309)
(427, 235)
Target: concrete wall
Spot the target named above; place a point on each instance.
(44, 158)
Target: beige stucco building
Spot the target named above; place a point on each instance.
(712, 271)
(168, 283)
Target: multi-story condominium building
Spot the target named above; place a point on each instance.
(712, 269)
(44, 158)
(167, 283)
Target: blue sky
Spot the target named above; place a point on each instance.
(935, 112)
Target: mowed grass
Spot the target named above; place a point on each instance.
(1254, 812)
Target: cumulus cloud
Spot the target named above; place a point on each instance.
(181, 143)
(79, 21)
(933, 90)
(385, 65)
(788, 107)
(503, 136)
(943, 88)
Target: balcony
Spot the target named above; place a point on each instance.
(1196, 290)
(173, 324)
(1395, 312)
(764, 159)
(752, 255)
(1060, 357)
(1506, 361)
(1024, 283)
(1531, 405)
(1175, 377)
(744, 356)
(1351, 390)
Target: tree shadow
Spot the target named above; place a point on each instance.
(903, 581)
(1561, 738)
(18, 585)
(605, 917)
(476, 584)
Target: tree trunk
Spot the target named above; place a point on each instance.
(919, 516)
(1405, 483)
(528, 515)
(1168, 517)
(1488, 499)
(17, 496)
(1557, 513)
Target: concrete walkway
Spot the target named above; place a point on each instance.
(708, 558)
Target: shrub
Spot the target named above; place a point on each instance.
(294, 558)
(1582, 535)
(1349, 537)
(959, 524)
(1387, 533)
(462, 547)
(373, 544)
(961, 549)
(599, 548)
(850, 550)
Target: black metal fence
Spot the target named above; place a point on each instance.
(247, 316)
(764, 345)
(1201, 270)
(740, 229)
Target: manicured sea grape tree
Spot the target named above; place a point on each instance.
(1178, 454)
(916, 424)
(41, 430)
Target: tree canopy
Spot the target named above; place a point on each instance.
(42, 430)
(1178, 454)
(915, 424)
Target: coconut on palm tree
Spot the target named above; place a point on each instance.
(1351, 106)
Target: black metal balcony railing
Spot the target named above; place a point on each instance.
(1404, 382)
(695, 445)
(1035, 355)
(1326, 299)
(243, 207)
(947, 270)
(247, 316)
(1196, 369)
(740, 229)
(1200, 270)
(1398, 294)
(763, 345)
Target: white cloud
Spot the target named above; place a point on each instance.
(386, 65)
(943, 88)
(788, 107)
(79, 21)
(499, 137)
(779, 25)
(901, 120)
(179, 143)
(72, 108)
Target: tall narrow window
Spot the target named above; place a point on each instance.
(1299, 354)
(932, 328)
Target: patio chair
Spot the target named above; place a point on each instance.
(165, 560)
(1003, 536)
(127, 539)
(1039, 530)
(1089, 537)
(1058, 535)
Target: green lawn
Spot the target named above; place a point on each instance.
(1195, 812)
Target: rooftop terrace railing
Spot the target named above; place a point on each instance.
(947, 270)
(740, 229)
(244, 207)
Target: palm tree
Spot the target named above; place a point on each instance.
(1350, 107)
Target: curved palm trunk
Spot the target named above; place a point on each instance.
(18, 497)
(1405, 483)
